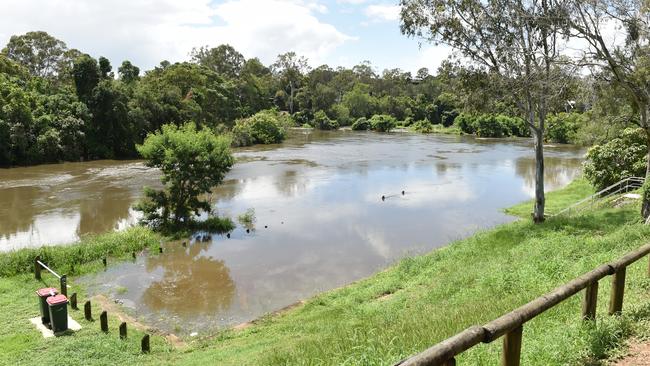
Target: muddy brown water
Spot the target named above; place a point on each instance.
(320, 220)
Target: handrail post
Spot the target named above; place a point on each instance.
(618, 289)
(511, 355)
(590, 301)
(37, 268)
(64, 285)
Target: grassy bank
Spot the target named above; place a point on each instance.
(410, 306)
(557, 200)
(67, 258)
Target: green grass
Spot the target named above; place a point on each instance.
(21, 344)
(412, 305)
(557, 200)
(68, 258)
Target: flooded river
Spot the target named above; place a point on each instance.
(320, 218)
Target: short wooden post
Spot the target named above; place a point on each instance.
(88, 311)
(146, 347)
(103, 319)
(123, 330)
(104, 261)
(37, 267)
(133, 255)
(64, 285)
(511, 355)
(73, 301)
(590, 301)
(618, 288)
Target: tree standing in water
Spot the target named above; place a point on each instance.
(515, 40)
(192, 162)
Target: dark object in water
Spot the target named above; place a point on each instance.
(266, 226)
(228, 235)
(248, 230)
(403, 193)
(383, 198)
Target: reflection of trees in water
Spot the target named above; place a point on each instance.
(557, 171)
(226, 191)
(18, 209)
(192, 284)
(442, 167)
(290, 183)
(102, 209)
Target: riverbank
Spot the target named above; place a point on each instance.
(404, 309)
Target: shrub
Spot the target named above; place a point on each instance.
(265, 127)
(619, 158)
(423, 126)
(466, 123)
(563, 127)
(408, 121)
(361, 124)
(341, 114)
(447, 118)
(322, 122)
(490, 126)
(382, 123)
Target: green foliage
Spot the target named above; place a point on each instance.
(361, 124)
(423, 126)
(89, 249)
(619, 158)
(322, 122)
(247, 219)
(192, 162)
(382, 123)
(265, 127)
(563, 127)
(492, 125)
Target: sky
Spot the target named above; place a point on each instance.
(335, 32)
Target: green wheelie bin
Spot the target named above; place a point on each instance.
(43, 294)
(58, 307)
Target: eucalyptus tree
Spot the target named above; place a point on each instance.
(625, 62)
(290, 70)
(38, 51)
(518, 40)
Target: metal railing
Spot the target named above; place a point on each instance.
(624, 185)
(63, 279)
(510, 325)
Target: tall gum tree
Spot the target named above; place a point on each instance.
(626, 61)
(517, 40)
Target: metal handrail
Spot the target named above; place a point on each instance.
(622, 185)
(63, 279)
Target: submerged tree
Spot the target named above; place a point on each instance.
(192, 162)
(517, 40)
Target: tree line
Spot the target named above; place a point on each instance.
(61, 104)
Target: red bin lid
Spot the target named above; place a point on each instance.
(58, 299)
(45, 292)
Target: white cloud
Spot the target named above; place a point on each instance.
(146, 32)
(429, 56)
(383, 12)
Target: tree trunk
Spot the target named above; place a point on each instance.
(645, 204)
(538, 213)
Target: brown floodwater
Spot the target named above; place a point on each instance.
(320, 220)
